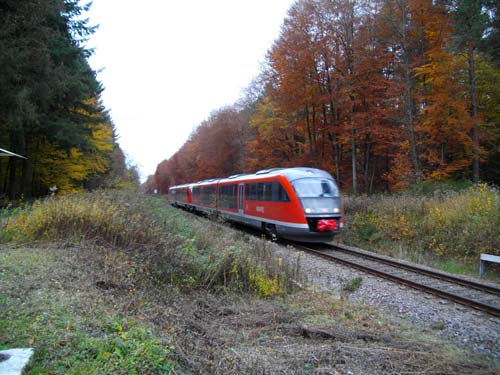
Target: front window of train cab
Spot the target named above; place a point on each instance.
(319, 196)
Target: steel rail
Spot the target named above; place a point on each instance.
(493, 310)
(419, 269)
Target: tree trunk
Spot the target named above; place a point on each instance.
(473, 96)
(353, 148)
(367, 163)
(312, 153)
(314, 138)
(349, 39)
(12, 184)
(333, 138)
(417, 173)
(27, 168)
(4, 174)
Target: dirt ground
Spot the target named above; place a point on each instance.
(226, 333)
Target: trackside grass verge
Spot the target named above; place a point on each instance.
(446, 229)
(165, 244)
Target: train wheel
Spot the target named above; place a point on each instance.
(270, 230)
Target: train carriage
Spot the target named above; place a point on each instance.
(204, 195)
(294, 203)
(180, 195)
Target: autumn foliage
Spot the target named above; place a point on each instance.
(382, 94)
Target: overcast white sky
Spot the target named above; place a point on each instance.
(167, 64)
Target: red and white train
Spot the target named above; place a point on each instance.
(301, 204)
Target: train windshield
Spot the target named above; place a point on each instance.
(315, 188)
(318, 196)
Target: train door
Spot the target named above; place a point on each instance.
(240, 198)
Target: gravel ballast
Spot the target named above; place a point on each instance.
(459, 324)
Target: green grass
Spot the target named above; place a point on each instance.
(72, 330)
(454, 266)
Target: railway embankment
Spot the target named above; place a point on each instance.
(120, 283)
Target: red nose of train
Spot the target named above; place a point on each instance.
(327, 224)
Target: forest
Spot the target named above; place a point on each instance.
(384, 94)
(50, 107)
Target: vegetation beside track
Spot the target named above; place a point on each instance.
(118, 283)
(444, 228)
(167, 246)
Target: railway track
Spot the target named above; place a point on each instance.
(477, 295)
(474, 294)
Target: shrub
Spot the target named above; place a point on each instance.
(108, 218)
(464, 224)
(449, 224)
(164, 245)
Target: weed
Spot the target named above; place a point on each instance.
(365, 224)
(454, 266)
(125, 348)
(352, 285)
(438, 326)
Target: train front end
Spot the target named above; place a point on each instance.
(319, 196)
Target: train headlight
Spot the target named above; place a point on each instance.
(308, 210)
(336, 210)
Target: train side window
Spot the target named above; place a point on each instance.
(267, 191)
(279, 193)
(227, 196)
(251, 192)
(234, 193)
(260, 191)
(203, 195)
(222, 196)
(209, 195)
(276, 192)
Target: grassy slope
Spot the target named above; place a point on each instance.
(89, 307)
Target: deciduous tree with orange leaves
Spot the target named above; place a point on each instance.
(383, 94)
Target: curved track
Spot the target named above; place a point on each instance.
(474, 294)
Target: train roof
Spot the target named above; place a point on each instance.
(290, 173)
(179, 186)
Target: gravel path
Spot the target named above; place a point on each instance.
(467, 327)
